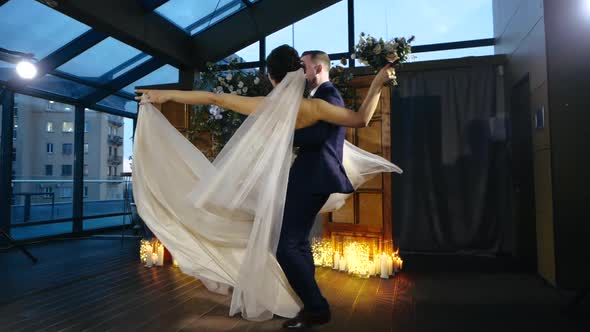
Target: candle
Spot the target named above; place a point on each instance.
(342, 262)
(384, 271)
(401, 263)
(377, 267)
(154, 258)
(336, 261)
(398, 264)
(148, 257)
(174, 263)
(371, 268)
(160, 255)
(390, 265)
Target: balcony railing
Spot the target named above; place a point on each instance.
(115, 160)
(115, 140)
(115, 120)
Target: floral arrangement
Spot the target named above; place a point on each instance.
(377, 53)
(340, 78)
(218, 122)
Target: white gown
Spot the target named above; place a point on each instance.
(221, 221)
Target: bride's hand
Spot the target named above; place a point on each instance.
(385, 75)
(154, 96)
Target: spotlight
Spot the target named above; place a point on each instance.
(26, 69)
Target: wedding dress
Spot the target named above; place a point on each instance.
(221, 221)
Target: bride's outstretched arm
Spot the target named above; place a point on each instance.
(311, 110)
(317, 109)
(240, 104)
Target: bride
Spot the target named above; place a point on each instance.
(222, 220)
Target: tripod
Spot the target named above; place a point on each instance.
(21, 248)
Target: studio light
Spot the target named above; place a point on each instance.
(26, 70)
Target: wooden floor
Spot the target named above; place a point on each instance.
(98, 285)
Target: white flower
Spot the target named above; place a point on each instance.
(234, 92)
(389, 48)
(220, 79)
(231, 88)
(353, 56)
(219, 89)
(239, 91)
(218, 117)
(228, 77)
(214, 110)
(240, 84)
(377, 49)
(245, 89)
(392, 57)
(256, 80)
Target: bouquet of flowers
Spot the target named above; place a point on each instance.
(377, 53)
(221, 125)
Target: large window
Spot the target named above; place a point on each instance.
(432, 22)
(326, 30)
(42, 176)
(103, 184)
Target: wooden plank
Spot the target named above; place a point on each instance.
(371, 208)
(92, 311)
(386, 153)
(184, 312)
(345, 215)
(128, 319)
(61, 300)
(370, 137)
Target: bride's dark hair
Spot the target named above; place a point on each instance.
(282, 60)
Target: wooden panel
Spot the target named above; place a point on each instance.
(386, 153)
(346, 213)
(361, 93)
(350, 133)
(176, 113)
(370, 208)
(376, 183)
(369, 138)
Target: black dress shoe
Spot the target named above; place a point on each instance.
(306, 319)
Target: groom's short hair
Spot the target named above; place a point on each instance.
(319, 57)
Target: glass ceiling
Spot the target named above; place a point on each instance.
(109, 58)
(28, 26)
(196, 16)
(163, 75)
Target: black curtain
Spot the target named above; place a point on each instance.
(454, 193)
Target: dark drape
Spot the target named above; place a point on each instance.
(448, 139)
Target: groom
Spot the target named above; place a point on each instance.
(316, 173)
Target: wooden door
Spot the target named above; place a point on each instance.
(366, 216)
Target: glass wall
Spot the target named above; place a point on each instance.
(107, 148)
(431, 21)
(42, 166)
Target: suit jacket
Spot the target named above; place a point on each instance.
(318, 166)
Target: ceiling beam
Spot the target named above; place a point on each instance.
(69, 51)
(151, 5)
(129, 22)
(249, 25)
(123, 81)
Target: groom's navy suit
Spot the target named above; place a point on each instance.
(316, 173)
